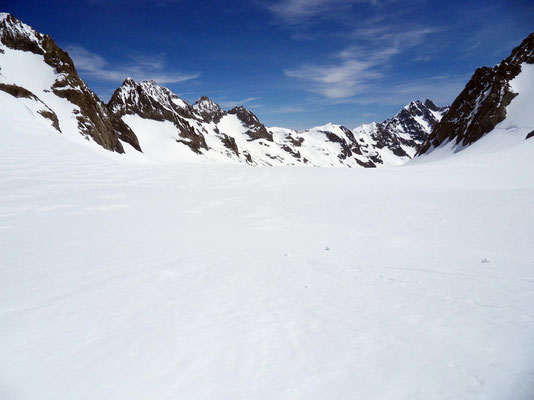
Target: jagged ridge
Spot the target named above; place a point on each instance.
(94, 120)
(482, 104)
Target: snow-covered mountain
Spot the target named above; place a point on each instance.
(35, 71)
(498, 99)
(153, 111)
(147, 117)
(396, 139)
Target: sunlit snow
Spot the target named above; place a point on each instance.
(122, 280)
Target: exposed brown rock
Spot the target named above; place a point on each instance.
(230, 143)
(482, 104)
(291, 151)
(256, 129)
(19, 91)
(49, 114)
(295, 141)
(94, 120)
(14, 36)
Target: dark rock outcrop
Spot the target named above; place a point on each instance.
(94, 120)
(256, 130)
(209, 110)
(19, 91)
(482, 104)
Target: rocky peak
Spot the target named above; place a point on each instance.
(256, 129)
(149, 100)
(17, 35)
(428, 111)
(416, 119)
(208, 109)
(482, 104)
(406, 131)
(152, 101)
(431, 106)
(206, 104)
(414, 106)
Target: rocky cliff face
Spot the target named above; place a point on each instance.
(482, 104)
(93, 118)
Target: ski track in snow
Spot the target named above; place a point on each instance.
(122, 280)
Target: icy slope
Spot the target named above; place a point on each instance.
(134, 281)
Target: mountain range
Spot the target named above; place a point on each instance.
(148, 118)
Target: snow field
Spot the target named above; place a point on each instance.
(133, 281)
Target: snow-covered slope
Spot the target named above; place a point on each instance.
(37, 73)
(494, 100)
(132, 281)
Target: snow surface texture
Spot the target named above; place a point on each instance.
(122, 280)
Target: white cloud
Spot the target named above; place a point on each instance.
(139, 68)
(289, 109)
(358, 68)
(442, 90)
(299, 10)
(336, 81)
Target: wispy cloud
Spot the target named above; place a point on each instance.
(358, 68)
(336, 81)
(289, 109)
(139, 68)
(301, 10)
(234, 103)
(440, 89)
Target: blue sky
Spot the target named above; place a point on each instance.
(295, 63)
